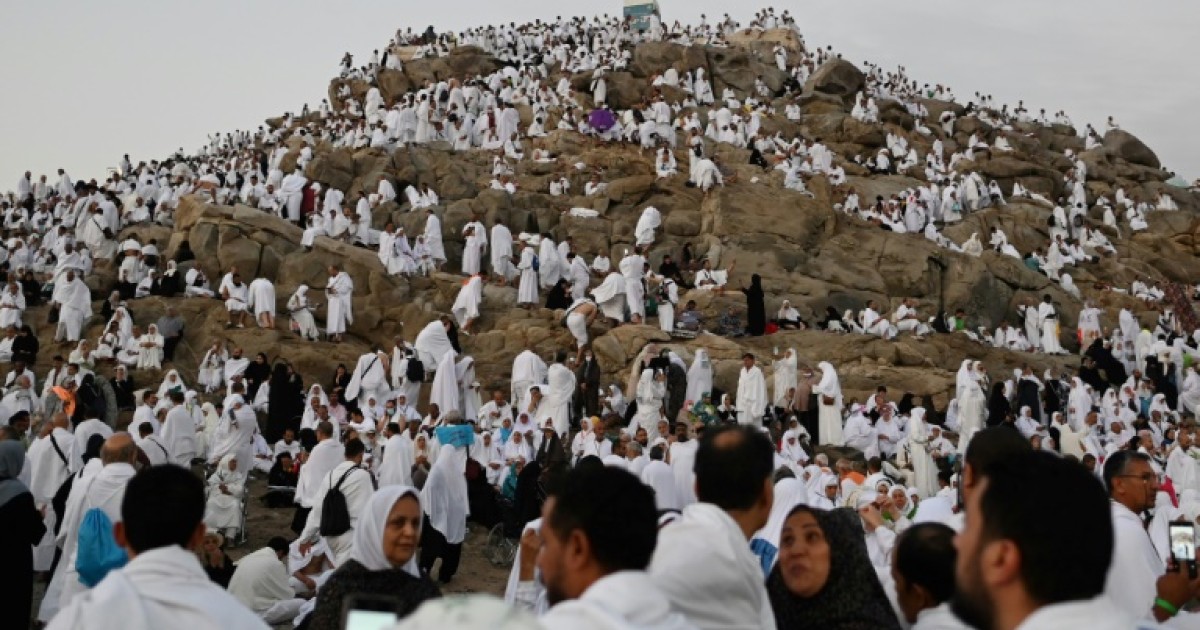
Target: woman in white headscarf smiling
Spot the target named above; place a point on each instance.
(382, 562)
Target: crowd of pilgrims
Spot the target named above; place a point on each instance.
(583, 473)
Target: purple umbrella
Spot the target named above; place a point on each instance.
(602, 119)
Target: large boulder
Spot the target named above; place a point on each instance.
(1126, 146)
(837, 77)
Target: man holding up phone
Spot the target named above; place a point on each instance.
(1139, 582)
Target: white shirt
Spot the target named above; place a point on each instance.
(618, 601)
(705, 568)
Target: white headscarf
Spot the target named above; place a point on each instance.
(368, 535)
(444, 497)
(699, 377)
(789, 493)
(829, 385)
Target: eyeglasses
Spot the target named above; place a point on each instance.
(1145, 477)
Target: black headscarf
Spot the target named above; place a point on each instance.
(852, 597)
(998, 405)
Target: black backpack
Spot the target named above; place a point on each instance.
(414, 371)
(335, 514)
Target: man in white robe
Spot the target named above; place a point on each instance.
(561, 385)
(527, 289)
(340, 293)
(104, 490)
(527, 369)
(466, 303)
(164, 586)
(433, 343)
(74, 301)
(719, 584)
(650, 219)
(751, 393)
(610, 297)
(179, 432)
(292, 191)
(370, 378)
(633, 268)
(1048, 316)
(502, 254)
(262, 300)
(357, 485)
(261, 584)
(433, 239)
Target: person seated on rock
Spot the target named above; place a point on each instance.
(788, 318)
(196, 284)
(708, 279)
(874, 323)
(595, 187)
(664, 164)
(236, 294)
(706, 174)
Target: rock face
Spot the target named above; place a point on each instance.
(1126, 146)
(837, 77)
(802, 249)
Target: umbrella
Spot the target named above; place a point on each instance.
(602, 119)
(1178, 182)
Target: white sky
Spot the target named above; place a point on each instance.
(84, 82)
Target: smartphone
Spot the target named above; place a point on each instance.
(1183, 545)
(370, 612)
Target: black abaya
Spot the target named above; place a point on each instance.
(756, 309)
(285, 404)
(21, 527)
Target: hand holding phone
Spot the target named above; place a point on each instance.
(1183, 545)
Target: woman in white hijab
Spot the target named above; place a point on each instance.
(792, 451)
(651, 390)
(615, 401)
(172, 382)
(489, 455)
(972, 403)
(84, 356)
(300, 311)
(1189, 397)
(829, 398)
(444, 499)
(206, 429)
(789, 493)
(1079, 403)
(211, 372)
(579, 444)
(924, 468)
(151, 349)
(785, 378)
(383, 560)
(699, 376)
(223, 512)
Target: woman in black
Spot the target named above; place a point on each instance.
(21, 527)
(559, 295)
(341, 377)
(998, 406)
(184, 253)
(285, 402)
(835, 586)
(256, 374)
(25, 346)
(215, 561)
(122, 386)
(756, 308)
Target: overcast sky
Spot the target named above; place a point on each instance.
(84, 82)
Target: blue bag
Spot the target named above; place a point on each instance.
(458, 435)
(97, 552)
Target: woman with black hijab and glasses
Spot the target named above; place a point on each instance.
(824, 577)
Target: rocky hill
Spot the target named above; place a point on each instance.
(804, 249)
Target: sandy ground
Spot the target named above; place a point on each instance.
(475, 573)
